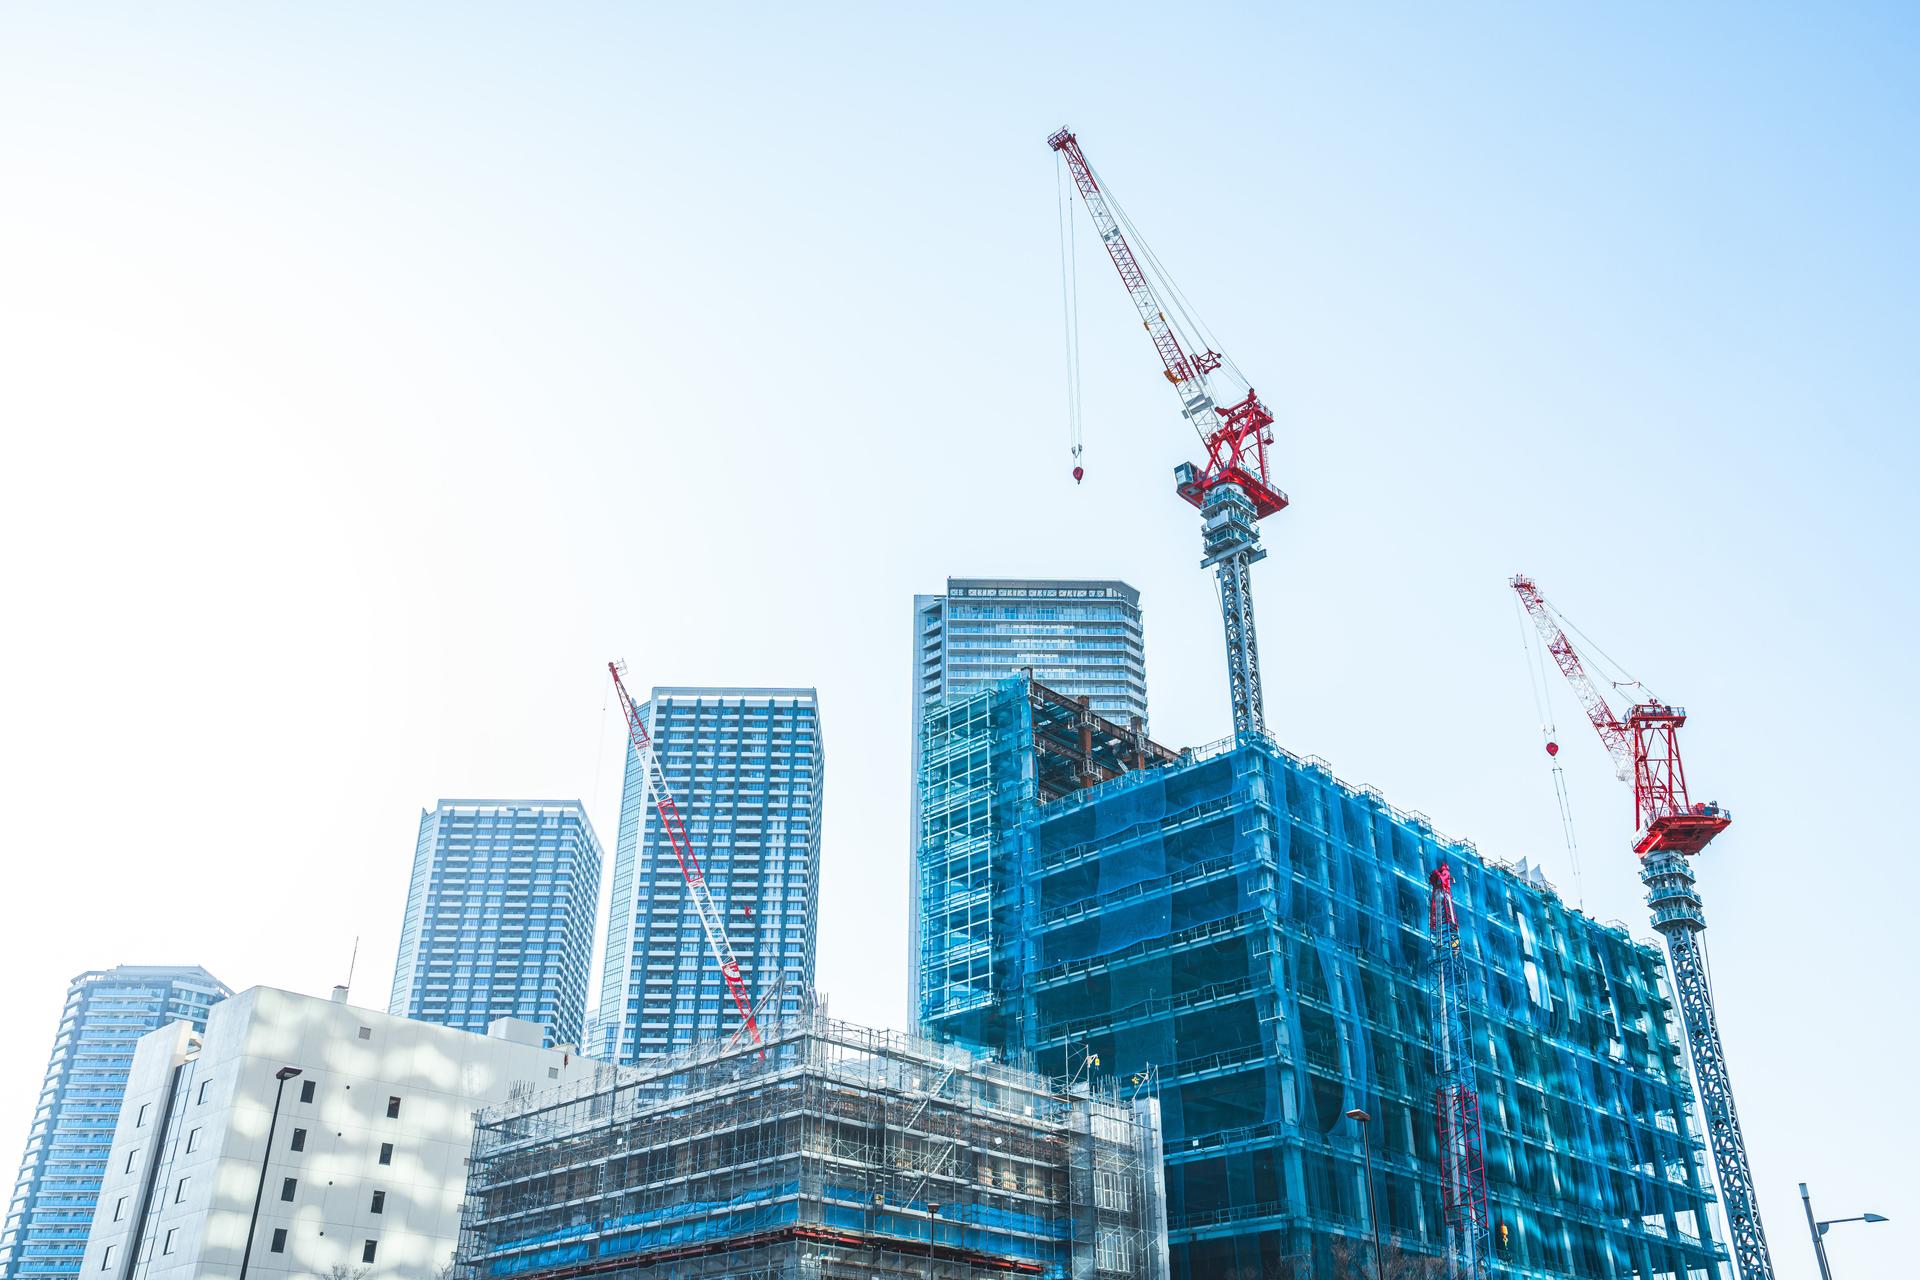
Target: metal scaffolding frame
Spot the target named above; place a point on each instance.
(828, 1151)
(1256, 933)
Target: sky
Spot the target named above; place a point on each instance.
(370, 376)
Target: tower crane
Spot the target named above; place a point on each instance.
(676, 832)
(1463, 1172)
(1232, 487)
(1668, 830)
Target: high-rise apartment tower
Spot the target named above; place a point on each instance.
(1080, 637)
(500, 914)
(745, 768)
(106, 1013)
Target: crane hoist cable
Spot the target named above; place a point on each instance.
(1070, 315)
(1533, 657)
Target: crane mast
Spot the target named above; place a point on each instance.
(1668, 829)
(1231, 487)
(676, 833)
(1463, 1175)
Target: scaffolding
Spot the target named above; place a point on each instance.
(828, 1152)
(1254, 933)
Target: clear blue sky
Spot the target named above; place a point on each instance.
(372, 375)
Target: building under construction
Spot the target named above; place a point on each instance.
(827, 1152)
(1253, 933)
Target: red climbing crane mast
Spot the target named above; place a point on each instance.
(690, 871)
(1456, 1101)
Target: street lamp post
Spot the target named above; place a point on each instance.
(933, 1207)
(1373, 1213)
(283, 1075)
(1818, 1230)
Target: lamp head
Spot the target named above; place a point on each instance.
(1872, 1217)
(1358, 1114)
(286, 1073)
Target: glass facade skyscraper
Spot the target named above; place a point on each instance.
(745, 767)
(1080, 637)
(1083, 638)
(106, 1013)
(500, 913)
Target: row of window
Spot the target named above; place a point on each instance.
(368, 1249)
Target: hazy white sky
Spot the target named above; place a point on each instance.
(370, 377)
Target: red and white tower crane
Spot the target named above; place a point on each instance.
(1668, 829)
(1232, 487)
(1456, 1102)
(690, 871)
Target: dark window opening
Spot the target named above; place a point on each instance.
(279, 1244)
(299, 1139)
(288, 1186)
(379, 1202)
(393, 1108)
(386, 1153)
(366, 1252)
(306, 1091)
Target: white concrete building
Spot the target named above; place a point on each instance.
(366, 1169)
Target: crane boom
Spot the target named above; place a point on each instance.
(663, 804)
(1612, 733)
(1184, 372)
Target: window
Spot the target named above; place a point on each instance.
(193, 1141)
(366, 1251)
(288, 1186)
(306, 1091)
(553, 1073)
(299, 1139)
(379, 1202)
(119, 1208)
(132, 1156)
(106, 1258)
(279, 1244)
(180, 1190)
(366, 1033)
(204, 1086)
(140, 1120)
(166, 1246)
(393, 1108)
(386, 1153)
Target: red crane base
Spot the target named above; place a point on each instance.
(1686, 833)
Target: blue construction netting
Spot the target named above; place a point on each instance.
(689, 1222)
(1254, 933)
